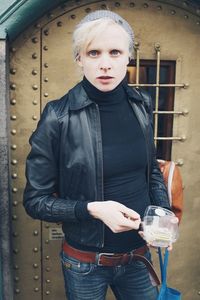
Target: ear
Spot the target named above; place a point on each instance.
(79, 61)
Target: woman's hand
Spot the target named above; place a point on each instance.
(115, 215)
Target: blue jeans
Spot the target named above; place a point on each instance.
(86, 281)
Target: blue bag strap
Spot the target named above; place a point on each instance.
(163, 265)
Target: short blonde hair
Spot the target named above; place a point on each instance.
(86, 32)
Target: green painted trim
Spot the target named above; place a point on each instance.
(11, 9)
(17, 15)
(21, 14)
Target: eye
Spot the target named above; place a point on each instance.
(115, 52)
(93, 53)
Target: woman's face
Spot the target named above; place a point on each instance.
(104, 62)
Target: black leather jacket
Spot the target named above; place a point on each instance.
(65, 163)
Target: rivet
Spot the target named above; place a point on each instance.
(14, 147)
(13, 86)
(198, 293)
(47, 225)
(46, 79)
(48, 280)
(13, 117)
(117, 4)
(34, 55)
(173, 12)
(186, 85)
(14, 175)
(36, 289)
(13, 49)
(15, 251)
(15, 234)
(47, 241)
(34, 102)
(73, 17)
(13, 101)
(47, 292)
(35, 87)
(46, 32)
(35, 232)
(48, 269)
(157, 46)
(46, 94)
(132, 4)
(145, 5)
(14, 190)
(45, 48)
(35, 249)
(186, 17)
(13, 161)
(47, 257)
(87, 10)
(159, 7)
(36, 277)
(14, 217)
(46, 65)
(59, 24)
(183, 138)
(34, 72)
(13, 131)
(137, 44)
(13, 71)
(15, 203)
(35, 266)
(37, 25)
(17, 291)
(180, 162)
(34, 118)
(16, 267)
(16, 278)
(198, 22)
(35, 40)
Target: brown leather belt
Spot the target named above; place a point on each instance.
(112, 259)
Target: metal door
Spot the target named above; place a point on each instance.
(42, 68)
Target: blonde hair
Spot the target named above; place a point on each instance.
(86, 32)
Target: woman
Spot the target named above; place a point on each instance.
(92, 166)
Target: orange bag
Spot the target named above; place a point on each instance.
(173, 181)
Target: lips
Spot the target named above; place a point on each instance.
(105, 77)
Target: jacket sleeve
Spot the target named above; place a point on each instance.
(42, 174)
(157, 187)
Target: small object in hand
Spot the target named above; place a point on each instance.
(160, 226)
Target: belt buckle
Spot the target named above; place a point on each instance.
(99, 255)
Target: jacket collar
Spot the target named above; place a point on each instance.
(78, 98)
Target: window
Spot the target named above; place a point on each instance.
(160, 84)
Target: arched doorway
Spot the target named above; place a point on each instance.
(42, 68)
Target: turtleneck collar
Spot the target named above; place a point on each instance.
(105, 98)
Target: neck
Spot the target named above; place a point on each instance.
(103, 98)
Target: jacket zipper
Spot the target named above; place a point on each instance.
(102, 183)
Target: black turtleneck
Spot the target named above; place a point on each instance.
(124, 162)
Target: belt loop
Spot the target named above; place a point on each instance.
(131, 257)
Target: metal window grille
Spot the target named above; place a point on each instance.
(158, 77)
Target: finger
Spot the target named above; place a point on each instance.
(130, 214)
(129, 223)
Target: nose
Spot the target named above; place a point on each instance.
(105, 63)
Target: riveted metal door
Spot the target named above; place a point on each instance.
(42, 68)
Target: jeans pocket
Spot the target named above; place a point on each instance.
(74, 265)
(140, 264)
